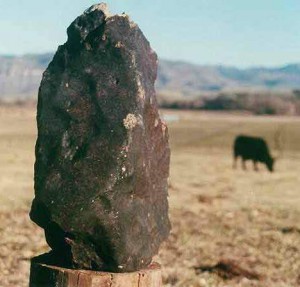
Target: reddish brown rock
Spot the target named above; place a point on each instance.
(102, 154)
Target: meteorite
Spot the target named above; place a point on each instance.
(102, 153)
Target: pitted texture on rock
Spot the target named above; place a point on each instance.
(102, 154)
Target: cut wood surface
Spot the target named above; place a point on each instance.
(43, 275)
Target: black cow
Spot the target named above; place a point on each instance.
(252, 148)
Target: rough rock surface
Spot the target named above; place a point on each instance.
(102, 154)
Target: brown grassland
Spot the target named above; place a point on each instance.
(230, 227)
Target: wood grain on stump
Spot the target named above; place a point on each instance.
(43, 275)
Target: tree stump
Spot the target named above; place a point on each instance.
(43, 275)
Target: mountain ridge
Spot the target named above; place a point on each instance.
(20, 77)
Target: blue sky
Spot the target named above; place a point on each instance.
(231, 32)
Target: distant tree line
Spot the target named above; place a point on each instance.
(260, 103)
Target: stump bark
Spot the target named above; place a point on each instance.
(43, 275)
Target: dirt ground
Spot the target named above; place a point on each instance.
(230, 227)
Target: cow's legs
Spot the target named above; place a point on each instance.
(234, 161)
(244, 164)
(255, 165)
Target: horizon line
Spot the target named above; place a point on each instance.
(242, 67)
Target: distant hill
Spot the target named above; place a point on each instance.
(193, 79)
(20, 77)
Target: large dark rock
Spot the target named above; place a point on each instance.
(102, 154)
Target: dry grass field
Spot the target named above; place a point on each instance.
(230, 227)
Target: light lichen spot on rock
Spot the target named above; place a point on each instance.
(100, 7)
(119, 45)
(124, 15)
(132, 25)
(130, 121)
(133, 60)
(88, 46)
(164, 128)
(141, 91)
(65, 140)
